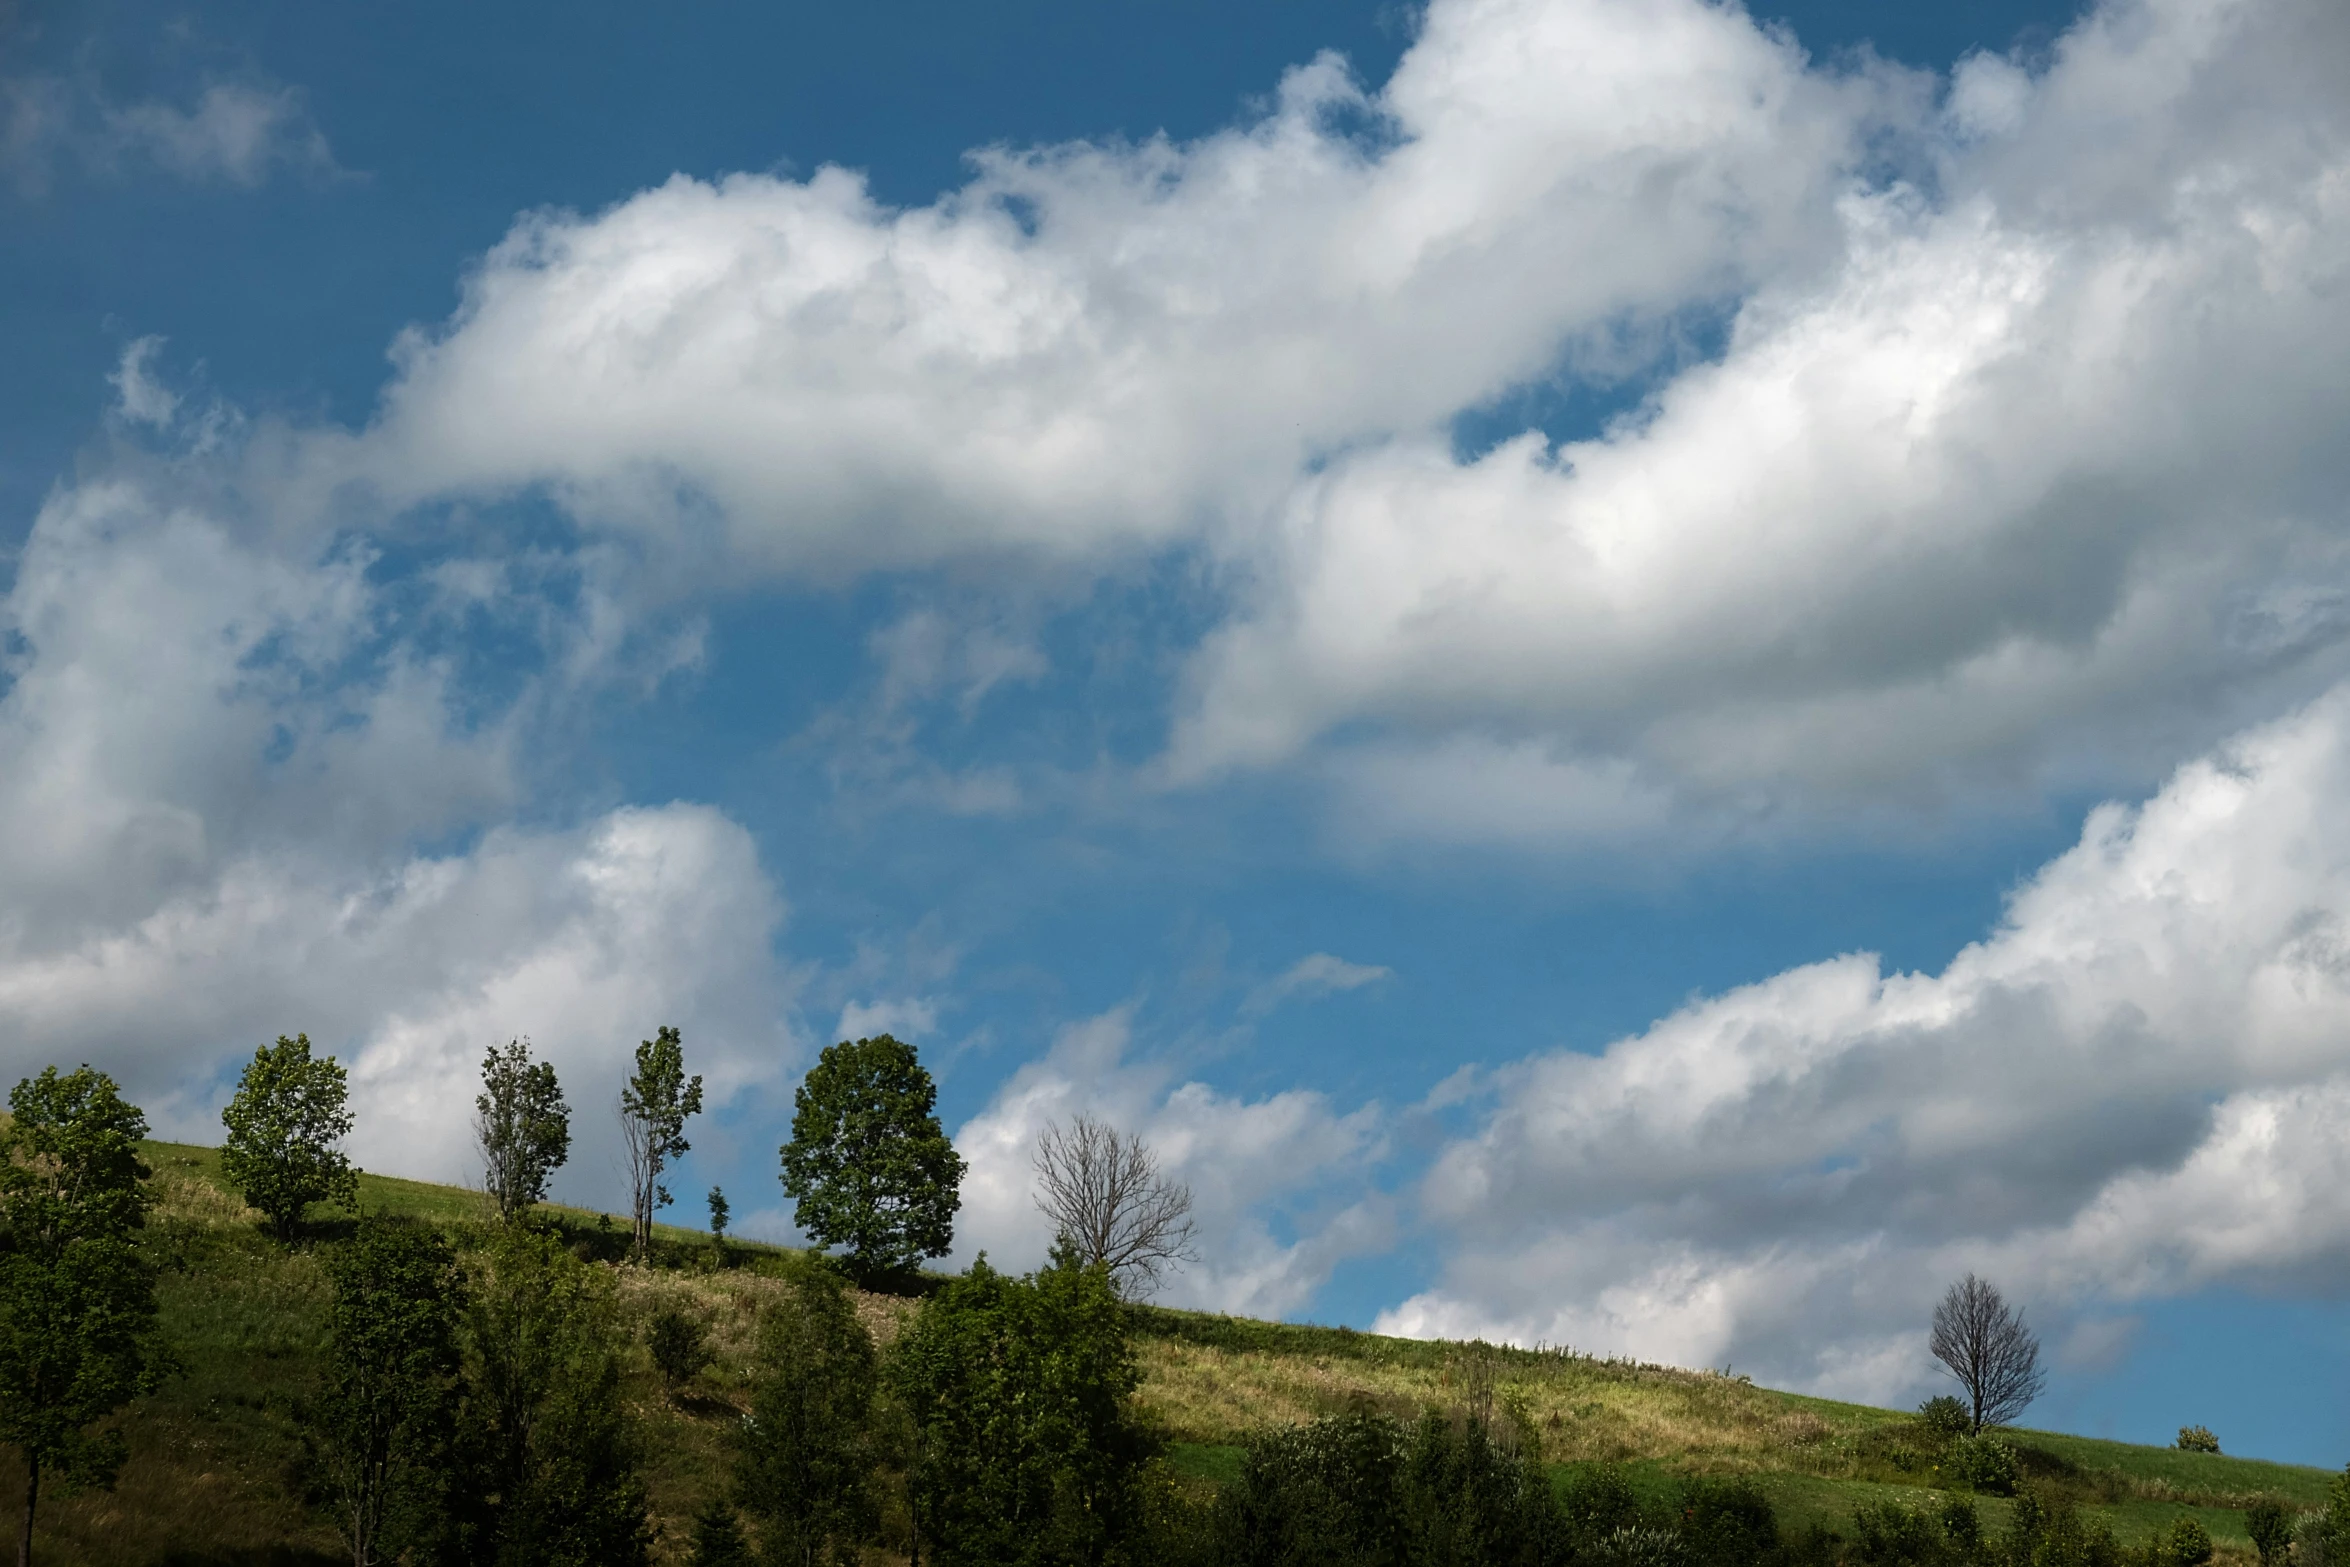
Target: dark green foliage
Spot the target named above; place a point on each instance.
(1962, 1528)
(1888, 1534)
(77, 1293)
(2197, 1439)
(1727, 1523)
(2062, 1540)
(1025, 1449)
(718, 1538)
(386, 1415)
(1327, 1494)
(718, 1212)
(521, 1125)
(679, 1345)
(1355, 1488)
(2186, 1543)
(806, 1454)
(2270, 1524)
(654, 1105)
(870, 1167)
(555, 1461)
(1945, 1415)
(1597, 1501)
(1987, 1463)
(283, 1127)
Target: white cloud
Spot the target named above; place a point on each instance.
(2019, 471)
(1090, 350)
(236, 133)
(905, 1017)
(1277, 1183)
(139, 397)
(218, 759)
(1315, 975)
(2136, 1087)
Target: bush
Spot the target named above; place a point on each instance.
(680, 1347)
(2186, 1543)
(1985, 1463)
(1890, 1535)
(2197, 1439)
(2271, 1528)
(1945, 1415)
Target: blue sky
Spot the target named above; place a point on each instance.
(1634, 674)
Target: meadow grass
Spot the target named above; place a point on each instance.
(220, 1474)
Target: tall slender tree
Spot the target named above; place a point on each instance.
(521, 1125)
(77, 1292)
(284, 1129)
(654, 1105)
(804, 1458)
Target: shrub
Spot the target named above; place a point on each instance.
(2186, 1543)
(1887, 1534)
(2197, 1439)
(1986, 1463)
(1638, 1545)
(1945, 1415)
(1962, 1527)
(2271, 1528)
(680, 1347)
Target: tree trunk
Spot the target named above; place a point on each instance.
(32, 1499)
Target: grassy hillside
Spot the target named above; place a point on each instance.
(218, 1473)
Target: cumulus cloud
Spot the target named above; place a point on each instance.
(2018, 469)
(221, 759)
(2137, 1086)
(1277, 1183)
(1093, 349)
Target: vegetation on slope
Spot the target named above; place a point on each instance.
(220, 1470)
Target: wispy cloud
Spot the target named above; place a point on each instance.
(1320, 974)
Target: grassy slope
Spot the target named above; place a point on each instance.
(217, 1469)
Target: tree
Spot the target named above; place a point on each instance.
(718, 1213)
(386, 1415)
(283, 1127)
(1026, 1448)
(653, 1108)
(805, 1455)
(77, 1294)
(1107, 1199)
(557, 1466)
(867, 1161)
(1985, 1345)
(521, 1125)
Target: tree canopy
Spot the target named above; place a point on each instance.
(868, 1162)
(521, 1126)
(284, 1124)
(77, 1293)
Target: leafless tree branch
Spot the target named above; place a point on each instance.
(1103, 1190)
(1985, 1345)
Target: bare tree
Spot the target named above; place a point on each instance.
(1103, 1190)
(1984, 1343)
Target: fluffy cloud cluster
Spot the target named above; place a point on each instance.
(2020, 464)
(2138, 1085)
(223, 764)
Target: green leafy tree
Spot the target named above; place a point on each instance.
(679, 1345)
(386, 1416)
(521, 1126)
(719, 1210)
(77, 1294)
(718, 1537)
(654, 1105)
(1026, 1449)
(806, 1455)
(557, 1471)
(2270, 1524)
(868, 1163)
(284, 1125)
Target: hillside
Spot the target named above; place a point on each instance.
(217, 1469)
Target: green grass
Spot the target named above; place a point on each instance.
(219, 1473)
